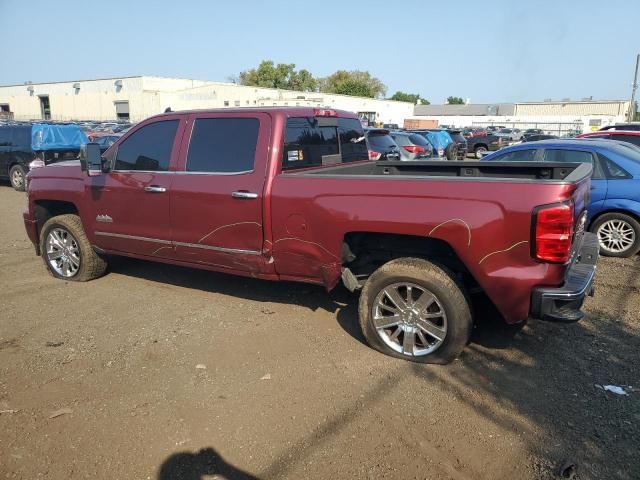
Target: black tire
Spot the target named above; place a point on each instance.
(449, 296)
(91, 265)
(627, 220)
(478, 150)
(18, 177)
(451, 152)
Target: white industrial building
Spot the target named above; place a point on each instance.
(560, 117)
(136, 98)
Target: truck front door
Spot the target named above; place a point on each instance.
(130, 206)
(217, 197)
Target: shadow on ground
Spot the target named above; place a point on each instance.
(542, 380)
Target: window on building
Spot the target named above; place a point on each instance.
(223, 145)
(45, 107)
(226, 103)
(148, 148)
(122, 110)
(237, 103)
(4, 107)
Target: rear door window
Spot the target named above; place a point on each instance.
(223, 145)
(308, 144)
(353, 145)
(573, 156)
(149, 148)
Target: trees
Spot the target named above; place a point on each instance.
(355, 82)
(455, 101)
(285, 76)
(282, 75)
(409, 97)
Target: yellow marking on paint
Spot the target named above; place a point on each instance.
(306, 241)
(454, 220)
(228, 226)
(502, 251)
(158, 249)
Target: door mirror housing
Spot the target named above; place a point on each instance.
(91, 159)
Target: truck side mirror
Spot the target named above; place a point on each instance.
(91, 159)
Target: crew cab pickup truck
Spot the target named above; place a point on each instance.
(290, 194)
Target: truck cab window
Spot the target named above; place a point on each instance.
(149, 148)
(309, 145)
(223, 145)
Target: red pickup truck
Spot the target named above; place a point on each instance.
(290, 194)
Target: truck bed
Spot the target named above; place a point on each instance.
(474, 170)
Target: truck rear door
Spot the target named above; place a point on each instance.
(216, 204)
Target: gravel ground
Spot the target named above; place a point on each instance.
(160, 372)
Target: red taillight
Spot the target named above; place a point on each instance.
(554, 232)
(414, 149)
(373, 155)
(323, 112)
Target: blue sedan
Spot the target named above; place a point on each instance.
(614, 212)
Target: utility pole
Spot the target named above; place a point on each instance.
(634, 86)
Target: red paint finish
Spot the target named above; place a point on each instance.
(295, 226)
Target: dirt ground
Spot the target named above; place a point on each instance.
(160, 372)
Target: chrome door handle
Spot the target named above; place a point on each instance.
(154, 189)
(242, 194)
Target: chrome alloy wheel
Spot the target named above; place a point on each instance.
(616, 236)
(63, 253)
(409, 319)
(17, 178)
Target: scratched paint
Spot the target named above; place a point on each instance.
(158, 249)
(523, 242)
(215, 230)
(454, 220)
(306, 241)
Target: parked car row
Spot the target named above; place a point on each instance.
(24, 145)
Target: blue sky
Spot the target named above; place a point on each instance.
(488, 51)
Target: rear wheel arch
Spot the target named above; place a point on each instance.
(365, 252)
(634, 215)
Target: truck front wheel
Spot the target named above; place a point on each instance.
(412, 309)
(66, 250)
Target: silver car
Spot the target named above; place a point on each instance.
(413, 146)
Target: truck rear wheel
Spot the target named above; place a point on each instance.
(412, 309)
(66, 250)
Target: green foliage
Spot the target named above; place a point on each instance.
(360, 84)
(285, 76)
(282, 75)
(455, 101)
(409, 97)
